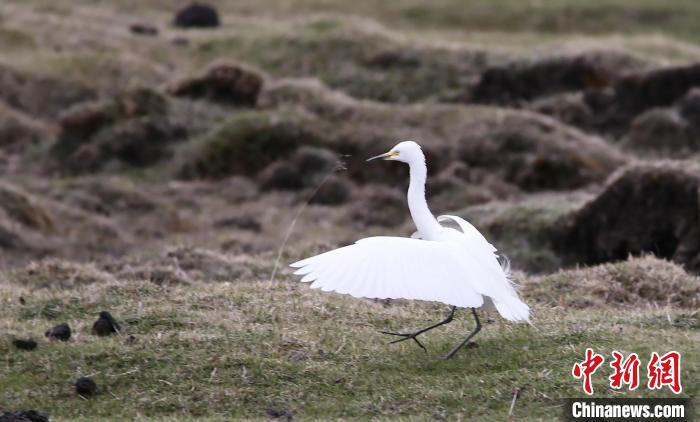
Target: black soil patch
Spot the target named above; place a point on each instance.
(525, 80)
(85, 386)
(24, 344)
(60, 332)
(105, 325)
(650, 208)
(656, 88)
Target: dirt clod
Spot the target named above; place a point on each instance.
(85, 386)
(197, 15)
(24, 344)
(60, 332)
(105, 325)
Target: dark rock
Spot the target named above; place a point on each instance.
(244, 222)
(23, 344)
(645, 208)
(280, 175)
(85, 386)
(197, 16)
(143, 29)
(24, 416)
(224, 83)
(60, 332)
(105, 325)
(334, 191)
(662, 131)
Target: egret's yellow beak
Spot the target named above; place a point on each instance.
(386, 156)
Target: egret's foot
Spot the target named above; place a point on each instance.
(415, 334)
(469, 337)
(406, 336)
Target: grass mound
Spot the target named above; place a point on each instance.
(246, 143)
(131, 128)
(634, 283)
(651, 207)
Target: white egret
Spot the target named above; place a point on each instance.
(438, 263)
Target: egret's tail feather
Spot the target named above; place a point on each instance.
(513, 310)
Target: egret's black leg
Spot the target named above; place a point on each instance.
(466, 340)
(413, 335)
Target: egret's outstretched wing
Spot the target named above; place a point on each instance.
(397, 267)
(500, 287)
(467, 229)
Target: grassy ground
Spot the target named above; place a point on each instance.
(547, 16)
(252, 348)
(221, 342)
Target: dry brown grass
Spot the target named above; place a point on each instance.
(635, 283)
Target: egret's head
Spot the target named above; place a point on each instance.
(407, 151)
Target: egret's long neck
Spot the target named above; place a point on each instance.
(425, 222)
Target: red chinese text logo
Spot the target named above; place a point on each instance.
(662, 371)
(665, 370)
(626, 372)
(587, 368)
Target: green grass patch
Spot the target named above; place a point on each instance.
(245, 349)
